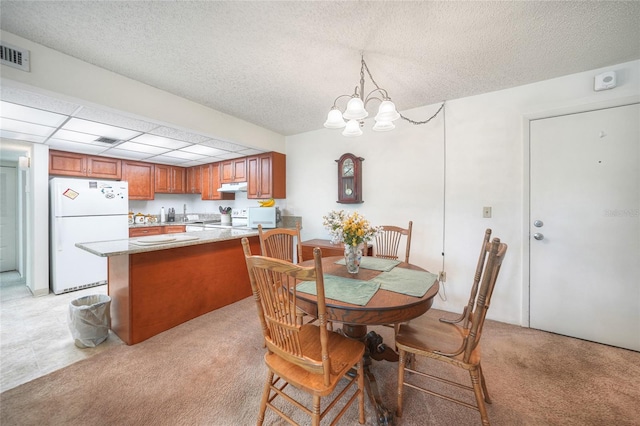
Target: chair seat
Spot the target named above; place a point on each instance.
(345, 353)
(428, 335)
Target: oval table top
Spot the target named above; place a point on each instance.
(385, 307)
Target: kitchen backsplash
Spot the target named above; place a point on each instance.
(205, 209)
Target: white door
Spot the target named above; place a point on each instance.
(585, 193)
(8, 219)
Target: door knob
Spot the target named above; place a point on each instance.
(538, 224)
(538, 236)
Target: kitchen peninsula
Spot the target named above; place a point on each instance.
(158, 282)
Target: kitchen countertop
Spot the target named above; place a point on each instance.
(129, 246)
(148, 225)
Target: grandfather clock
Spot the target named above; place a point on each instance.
(350, 179)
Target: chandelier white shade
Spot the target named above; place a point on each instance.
(352, 129)
(356, 111)
(335, 120)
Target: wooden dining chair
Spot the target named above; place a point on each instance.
(309, 357)
(448, 341)
(388, 242)
(281, 243)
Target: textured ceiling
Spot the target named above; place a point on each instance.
(280, 65)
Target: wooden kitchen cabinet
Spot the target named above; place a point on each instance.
(173, 229)
(327, 249)
(211, 177)
(194, 180)
(143, 232)
(141, 179)
(156, 230)
(234, 170)
(170, 179)
(63, 163)
(266, 176)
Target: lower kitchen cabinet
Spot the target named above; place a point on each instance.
(174, 229)
(156, 230)
(143, 232)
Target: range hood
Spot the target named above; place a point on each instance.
(233, 187)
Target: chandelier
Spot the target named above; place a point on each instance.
(356, 111)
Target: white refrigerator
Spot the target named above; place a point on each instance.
(84, 210)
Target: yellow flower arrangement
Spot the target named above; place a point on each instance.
(353, 228)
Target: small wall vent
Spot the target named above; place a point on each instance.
(107, 140)
(15, 57)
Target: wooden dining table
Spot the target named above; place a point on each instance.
(384, 308)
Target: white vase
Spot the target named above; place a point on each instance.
(352, 258)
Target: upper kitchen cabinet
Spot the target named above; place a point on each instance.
(141, 178)
(211, 176)
(267, 177)
(194, 180)
(63, 163)
(234, 170)
(170, 179)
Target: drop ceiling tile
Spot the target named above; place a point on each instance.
(185, 155)
(129, 155)
(6, 134)
(100, 129)
(227, 146)
(113, 119)
(163, 159)
(160, 141)
(250, 151)
(229, 156)
(70, 135)
(204, 150)
(197, 162)
(178, 134)
(138, 147)
(81, 148)
(31, 115)
(23, 127)
(31, 99)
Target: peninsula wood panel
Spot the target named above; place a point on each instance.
(154, 291)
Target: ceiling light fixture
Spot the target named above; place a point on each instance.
(356, 111)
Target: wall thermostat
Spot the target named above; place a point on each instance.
(604, 81)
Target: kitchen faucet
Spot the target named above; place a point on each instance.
(184, 213)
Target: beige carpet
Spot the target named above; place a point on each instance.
(209, 371)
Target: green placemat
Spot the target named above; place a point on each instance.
(406, 281)
(356, 292)
(375, 263)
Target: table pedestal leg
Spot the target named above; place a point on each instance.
(374, 348)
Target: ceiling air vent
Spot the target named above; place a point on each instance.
(14, 56)
(107, 140)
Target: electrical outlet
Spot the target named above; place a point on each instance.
(442, 276)
(486, 212)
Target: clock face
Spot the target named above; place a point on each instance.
(347, 167)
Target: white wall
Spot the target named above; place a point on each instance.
(408, 174)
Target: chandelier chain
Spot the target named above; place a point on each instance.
(365, 67)
(425, 121)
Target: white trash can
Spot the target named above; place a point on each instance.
(90, 320)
